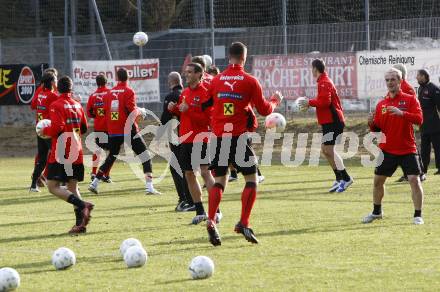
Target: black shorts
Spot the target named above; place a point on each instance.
(57, 171)
(192, 161)
(239, 153)
(332, 133)
(410, 164)
(102, 145)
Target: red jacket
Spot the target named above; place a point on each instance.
(118, 104)
(398, 130)
(195, 119)
(41, 102)
(95, 108)
(327, 103)
(233, 93)
(67, 116)
(407, 88)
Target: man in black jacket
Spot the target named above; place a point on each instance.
(429, 97)
(185, 202)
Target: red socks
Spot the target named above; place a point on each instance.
(214, 198)
(95, 162)
(248, 197)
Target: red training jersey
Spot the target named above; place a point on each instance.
(234, 92)
(195, 120)
(95, 108)
(67, 117)
(119, 103)
(41, 103)
(398, 130)
(327, 103)
(407, 88)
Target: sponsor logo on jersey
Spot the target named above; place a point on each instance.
(228, 109)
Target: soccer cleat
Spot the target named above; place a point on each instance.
(343, 185)
(152, 191)
(371, 217)
(92, 176)
(247, 232)
(78, 229)
(189, 208)
(402, 179)
(422, 177)
(418, 221)
(334, 187)
(198, 219)
(260, 179)
(106, 179)
(34, 190)
(93, 189)
(214, 236)
(180, 206)
(86, 211)
(232, 178)
(218, 217)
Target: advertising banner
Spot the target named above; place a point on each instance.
(18, 83)
(143, 77)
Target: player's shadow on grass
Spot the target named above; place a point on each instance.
(32, 222)
(26, 200)
(43, 236)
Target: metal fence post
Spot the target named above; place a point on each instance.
(1, 52)
(211, 12)
(51, 51)
(284, 4)
(139, 19)
(101, 28)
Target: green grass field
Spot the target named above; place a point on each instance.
(309, 239)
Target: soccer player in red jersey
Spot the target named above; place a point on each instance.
(41, 103)
(41, 180)
(120, 107)
(194, 121)
(394, 117)
(232, 92)
(331, 118)
(68, 122)
(95, 111)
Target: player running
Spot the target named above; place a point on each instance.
(394, 117)
(193, 133)
(232, 92)
(68, 122)
(331, 118)
(119, 104)
(95, 111)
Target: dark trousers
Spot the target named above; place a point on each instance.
(179, 181)
(137, 145)
(43, 151)
(427, 140)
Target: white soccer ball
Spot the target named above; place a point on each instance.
(41, 125)
(135, 257)
(201, 267)
(63, 258)
(140, 38)
(302, 108)
(9, 279)
(126, 244)
(275, 121)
